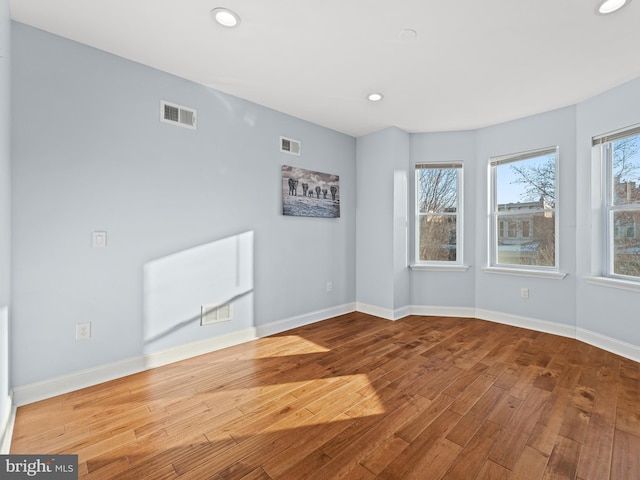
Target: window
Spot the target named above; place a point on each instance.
(621, 209)
(438, 213)
(524, 210)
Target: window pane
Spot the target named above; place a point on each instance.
(626, 171)
(437, 190)
(626, 243)
(530, 240)
(438, 238)
(528, 183)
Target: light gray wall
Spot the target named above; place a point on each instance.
(601, 309)
(5, 206)
(549, 299)
(382, 278)
(401, 275)
(436, 288)
(90, 154)
(374, 219)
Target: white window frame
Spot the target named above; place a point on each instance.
(458, 263)
(495, 217)
(603, 150)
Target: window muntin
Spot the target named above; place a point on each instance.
(438, 213)
(621, 155)
(523, 210)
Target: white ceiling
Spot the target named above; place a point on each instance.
(474, 63)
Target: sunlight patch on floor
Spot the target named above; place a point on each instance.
(330, 407)
(298, 344)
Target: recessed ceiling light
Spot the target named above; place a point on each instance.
(610, 6)
(375, 97)
(225, 17)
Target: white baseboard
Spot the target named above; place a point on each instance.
(302, 320)
(624, 349)
(527, 322)
(402, 312)
(34, 392)
(436, 311)
(374, 310)
(6, 427)
(189, 350)
(386, 313)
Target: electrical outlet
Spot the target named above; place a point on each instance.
(83, 331)
(524, 293)
(329, 286)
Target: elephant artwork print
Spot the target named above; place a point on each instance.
(310, 194)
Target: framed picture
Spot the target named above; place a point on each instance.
(306, 193)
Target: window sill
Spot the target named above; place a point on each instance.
(525, 273)
(419, 267)
(614, 283)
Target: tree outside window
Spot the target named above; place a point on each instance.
(438, 215)
(622, 158)
(523, 189)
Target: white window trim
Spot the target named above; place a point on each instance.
(602, 208)
(431, 265)
(494, 218)
(629, 285)
(529, 272)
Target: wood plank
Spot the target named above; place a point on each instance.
(410, 431)
(543, 437)
(378, 459)
(530, 465)
(493, 471)
(305, 451)
(475, 454)
(564, 460)
(430, 454)
(471, 422)
(625, 464)
(578, 414)
(595, 460)
(514, 437)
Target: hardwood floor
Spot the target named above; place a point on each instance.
(358, 397)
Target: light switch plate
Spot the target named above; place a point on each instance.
(99, 240)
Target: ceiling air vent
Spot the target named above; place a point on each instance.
(289, 145)
(177, 115)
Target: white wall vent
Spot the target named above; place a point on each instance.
(177, 115)
(210, 314)
(289, 145)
